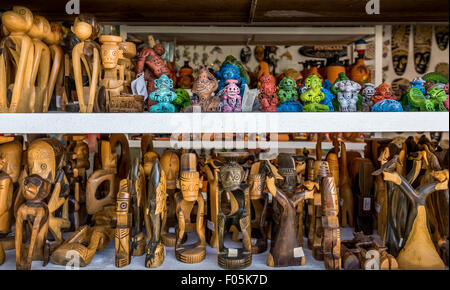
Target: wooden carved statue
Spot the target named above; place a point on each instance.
(190, 184)
(204, 86)
(17, 56)
(331, 240)
(82, 245)
(86, 28)
(41, 61)
(286, 248)
(232, 177)
(419, 252)
(122, 235)
(54, 40)
(138, 201)
(345, 191)
(33, 214)
(363, 189)
(170, 163)
(155, 211)
(127, 62)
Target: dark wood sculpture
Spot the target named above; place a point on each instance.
(363, 190)
(155, 211)
(190, 184)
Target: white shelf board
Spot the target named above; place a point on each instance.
(223, 122)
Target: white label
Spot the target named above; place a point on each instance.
(298, 252)
(253, 240)
(210, 225)
(270, 198)
(58, 101)
(377, 207)
(205, 195)
(232, 252)
(171, 230)
(400, 242)
(366, 204)
(341, 202)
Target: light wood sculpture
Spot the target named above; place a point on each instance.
(87, 51)
(331, 233)
(17, 55)
(190, 184)
(362, 252)
(127, 62)
(346, 195)
(41, 61)
(170, 163)
(155, 211)
(45, 157)
(232, 181)
(54, 41)
(35, 214)
(82, 245)
(419, 252)
(122, 232)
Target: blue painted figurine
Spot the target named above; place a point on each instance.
(163, 95)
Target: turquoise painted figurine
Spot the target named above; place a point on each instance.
(182, 101)
(163, 95)
(387, 105)
(229, 71)
(287, 90)
(418, 102)
(313, 95)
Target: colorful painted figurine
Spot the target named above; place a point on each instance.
(387, 106)
(163, 95)
(182, 101)
(290, 106)
(231, 97)
(205, 84)
(446, 101)
(383, 92)
(287, 90)
(229, 71)
(313, 95)
(367, 93)
(348, 95)
(234, 61)
(418, 102)
(267, 94)
(418, 83)
(329, 97)
(152, 58)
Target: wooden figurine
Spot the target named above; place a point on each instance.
(138, 189)
(17, 55)
(204, 86)
(34, 213)
(345, 191)
(190, 184)
(363, 191)
(127, 62)
(155, 211)
(331, 233)
(419, 252)
(151, 58)
(86, 241)
(232, 177)
(54, 41)
(286, 248)
(86, 28)
(123, 225)
(170, 163)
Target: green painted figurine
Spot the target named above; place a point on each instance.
(287, 90)
(313, 95)
(418, 102)
(182, 101)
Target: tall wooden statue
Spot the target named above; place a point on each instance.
(54, 40)
(122, 235)
(190, 184)
(345, 191)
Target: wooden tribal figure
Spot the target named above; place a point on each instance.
(345, 190)
(35, 214)
(232, 177)
(127, 62)
(17, 56)
(123, 216)
(190, 184)
(41, 61)
(87, 52)
(419, 252)
(155, 211)
(54, 41)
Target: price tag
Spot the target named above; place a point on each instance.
(400, 242)
(58, 101)
(377, 207)
(298, 252)
(232, 252)
(270, 198)
(341, 202)
(210, 225)
(205, 195)
(366, 204)
(253, 240)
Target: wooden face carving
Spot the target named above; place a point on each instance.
(190, 184)
(205, 83)
(35, 188)
(41, 159)
(55, 35)
(171, 166)
(259, 53)
(231, 176)
(81, 150)
(40, 27)
(11, 159)
(18, 20)
(110, 50)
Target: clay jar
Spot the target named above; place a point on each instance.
(360, 72)
(110, 50)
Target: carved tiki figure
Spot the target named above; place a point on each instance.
(190, 184)
(155, 211)
(205, 84)
(163, 95)
(151, 58)
(232, 177)
(86, 28)
(268, 94)
(127, 62)
(33, 214)
(383, 92)
(17, 55)
(231, 99)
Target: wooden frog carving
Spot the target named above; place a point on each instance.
(155, 211)
(190, 184)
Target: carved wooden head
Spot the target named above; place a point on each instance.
(170, 163)
(18, 20)
(40, 28)
(190, 177)
(110, 50)
(11, 159)
(36, 188)
(44, 157)
(55, 35)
